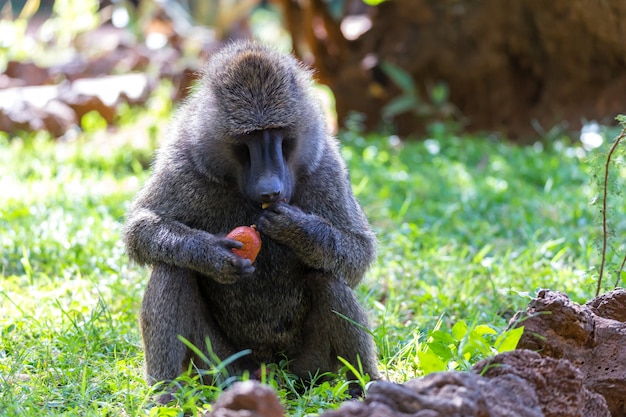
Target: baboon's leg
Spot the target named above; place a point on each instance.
(173, 306)
(328, 335)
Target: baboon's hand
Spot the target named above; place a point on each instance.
(281, 222)
(226, 267)
(306, 233)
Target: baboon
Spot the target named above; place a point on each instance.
(251, 146)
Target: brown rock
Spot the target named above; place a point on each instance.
(10, 82)
(57, 107)
(15, 119)
(105, 93)
(82, 104)
(515, 384)
(449, 394)
(519, 383)
(28, 72)
(37, 96)
(559, 384)
(611, 305)
(58, 118)
(552, 316)
(248, 399)
(592, 337)
(54, 117)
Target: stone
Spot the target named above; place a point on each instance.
(449, 394)
(247, 399)
(591, 336)
(559, 385)
(519, 383)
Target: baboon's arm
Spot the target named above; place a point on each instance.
(151, 238)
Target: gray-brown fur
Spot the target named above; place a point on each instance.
(317, 243)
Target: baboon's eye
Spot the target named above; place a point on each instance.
(288, 146)
(242, 154)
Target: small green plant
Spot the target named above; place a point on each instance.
(71, 18)
(357, 371)
(437, 107)
(202, 383)
(446, 349)
(606, 186)
(373, 2)
(14, 44)
(463, 346)
(92, 122)
(54, 38)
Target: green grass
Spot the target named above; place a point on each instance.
(469, 228)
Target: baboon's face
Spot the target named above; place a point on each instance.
(263, 157)
(263, 127)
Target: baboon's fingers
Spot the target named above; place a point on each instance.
(229, 243)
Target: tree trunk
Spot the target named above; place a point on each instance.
(509, 66)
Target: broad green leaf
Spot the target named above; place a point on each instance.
(441, 350)
(442, 337)
(399, 76)
(29, 9)
(483, 329)
(399, 105)
(510, 339)
(459, 330)
(476, 345)
(429, 362)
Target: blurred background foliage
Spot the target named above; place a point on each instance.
(426, 96)
(517, 70)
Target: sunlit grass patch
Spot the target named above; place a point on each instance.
(469, 229)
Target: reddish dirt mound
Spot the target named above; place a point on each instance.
(591, 336)
(519, 383)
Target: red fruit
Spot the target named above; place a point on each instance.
(251, 239)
